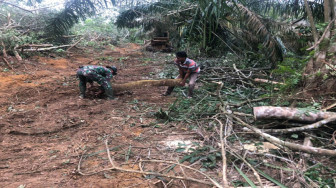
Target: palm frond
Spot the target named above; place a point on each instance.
(286, 9)
(254, 23)
(145, 13)
(74, 11)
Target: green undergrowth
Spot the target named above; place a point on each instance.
(197, 113)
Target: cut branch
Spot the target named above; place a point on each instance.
(327, 29)
(74, 44)
(45, 49)
(18, 57)
(296, 147)
(267, 81)
(7, 63)
(4, 50)
(35, 45)
(297, 114)
(223, 151)
(307, 127)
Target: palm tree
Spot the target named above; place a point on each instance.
(320, 68)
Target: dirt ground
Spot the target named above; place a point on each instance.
(45, 129)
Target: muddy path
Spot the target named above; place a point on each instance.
(45, 129)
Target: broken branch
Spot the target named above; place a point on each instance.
(307, 127)
(296, 147)
(267, 81)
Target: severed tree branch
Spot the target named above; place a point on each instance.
(223, 151)
(7, 63)
(74, 44)
(4, 50)
(306, 127)
(327, 29)
(18, 57)
(44, 49)
(296, 147)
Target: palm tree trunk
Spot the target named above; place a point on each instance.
(317, 84)
(327, 7)
(311, 21)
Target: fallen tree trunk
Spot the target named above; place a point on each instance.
(145, 83)
(45, 49)
(297, 114)
(259, 80)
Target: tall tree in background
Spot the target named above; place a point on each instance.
(320, 71)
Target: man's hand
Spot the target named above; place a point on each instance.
(99, 93)
(91, 84)
(182, 83)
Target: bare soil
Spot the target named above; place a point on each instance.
(45, 129)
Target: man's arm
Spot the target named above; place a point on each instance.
(185, 77)
(109, 74)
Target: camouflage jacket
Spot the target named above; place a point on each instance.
(94, 72)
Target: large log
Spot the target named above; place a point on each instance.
(145, 83)
(297, 114)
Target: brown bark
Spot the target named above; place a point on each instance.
(327, 7)
(303, 128)
(318, 66)
(267, 81)
(74, 44)
(18, 57)
(4, 50)
(45, 49)
(311, 21)
(297, 114)
(145, 83)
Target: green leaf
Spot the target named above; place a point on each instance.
(170, 168)
(295, 136)
(179, 150)
(249, 181)
(193, 159)
(271, 179)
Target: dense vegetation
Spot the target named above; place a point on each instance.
(291, 42)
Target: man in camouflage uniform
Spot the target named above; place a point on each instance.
(101, 75)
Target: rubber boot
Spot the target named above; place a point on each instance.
(169, 91)
(109, 94)
(82, 89)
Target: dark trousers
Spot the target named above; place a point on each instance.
(192, 82)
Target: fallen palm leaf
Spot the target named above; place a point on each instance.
(249, 181)
(271, 179)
